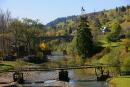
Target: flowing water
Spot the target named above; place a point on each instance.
(78, 78)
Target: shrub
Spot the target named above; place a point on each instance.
(111, 58)
(126, 64)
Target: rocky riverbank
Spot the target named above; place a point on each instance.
(5, 79)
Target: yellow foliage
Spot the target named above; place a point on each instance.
(60, 32)
(43, 46)
(50, 33)
(126, 42)
(125, 25)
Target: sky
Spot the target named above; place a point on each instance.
(48, 10)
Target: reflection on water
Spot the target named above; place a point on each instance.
(88, 84)
(75, 83)
(83, 78)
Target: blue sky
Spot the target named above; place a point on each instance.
(48, 10)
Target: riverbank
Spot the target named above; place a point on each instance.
(120, 81)
(5, 79)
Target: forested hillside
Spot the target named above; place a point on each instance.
(110, 30)
(97, 20)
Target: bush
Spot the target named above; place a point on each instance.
(71, 49)
(111, 58)
(35, 59)
(128, 33)
(126, 64)
(112, 37)
(58, 45)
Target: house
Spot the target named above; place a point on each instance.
(105, 30)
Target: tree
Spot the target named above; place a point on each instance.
(123, 8)
(115, 32)
(128, 33)
(72, 47)
(127, 6)
(116, 28)
(4, 23)
(84, 39)
(127, 18)
(126, 44)
(16, 27)
(26, 34)
(70, 30)
(112, 37)
(32, 31)
(116, 9)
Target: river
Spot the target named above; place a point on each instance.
(78, 78)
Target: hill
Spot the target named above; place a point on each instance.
(62, 19)
(97, 20)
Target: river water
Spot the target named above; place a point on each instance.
(80, 77)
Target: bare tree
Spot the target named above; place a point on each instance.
(4, 24)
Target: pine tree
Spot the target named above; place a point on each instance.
(116, 9)
(84, 39)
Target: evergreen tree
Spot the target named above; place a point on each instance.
(116, 9)
(123, 8)
(84, 39)
(70, 30)
(128, 6)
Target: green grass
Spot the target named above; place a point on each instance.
(5, 67)
(112, 44)
(16, 63)
(8, 65)
(121, 81)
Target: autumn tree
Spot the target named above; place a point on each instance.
(126, 43)
(26, 33)
(115, 32)
(116, 28)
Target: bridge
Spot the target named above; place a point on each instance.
(29, 74)
(27, 69)
(62, 38)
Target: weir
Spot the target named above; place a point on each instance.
(18, 76)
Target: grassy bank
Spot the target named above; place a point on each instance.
(121, 81)
(5, 67)
(8, 65)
